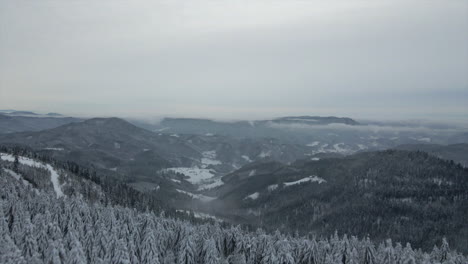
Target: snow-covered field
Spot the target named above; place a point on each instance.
(203, 176)
(200, 197)
(335, 148)
(57, 149)
(209, 158)
(272, 187)
(313, 144)
(253, 196)
(307, 179)
(19, 177)
(201, 215)
(32, 163)
(246, 158)
(210, 184)
(264, 154)
(196, 175)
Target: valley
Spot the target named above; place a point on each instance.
(293, 177)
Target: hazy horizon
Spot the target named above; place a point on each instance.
(392, 60)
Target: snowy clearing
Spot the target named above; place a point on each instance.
(426, 139)
(210, 185)
(32, 163)
(253, 196)
(307, 179)
(272, 187)
(57, 149)
(200, 215)
(196, 175)
(20, 178)
(200, 197)
(264, 154)
(209, 158)
(338, 149)
(246, 158)
(313, 144)
(361, 146)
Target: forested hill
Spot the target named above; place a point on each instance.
(408, 196)
(37, 227)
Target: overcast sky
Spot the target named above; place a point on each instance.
(397, 59)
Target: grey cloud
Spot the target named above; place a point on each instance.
(398, 59)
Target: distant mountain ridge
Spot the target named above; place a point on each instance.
(10, 123)
(315, 120)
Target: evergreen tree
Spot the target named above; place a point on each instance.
(76, 254)
(120, 254)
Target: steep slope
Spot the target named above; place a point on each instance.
(456, 152)
(36, 227)
(408, 196)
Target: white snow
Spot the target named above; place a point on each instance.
(426, 139)
(272, 187)
(361, 146)
(162, 129)
(200, 197)
(116, 145)
(57, 149)
(55, 182)
(265, 154)
(313, 144)
(209, 158)
(315, 159)
(195, 174)
(253, 196)
(145, 150)
(252, 173)
(307, 179)
(113, 169)
(175, 180)
(209, 134)
(13, 174)
(201, 215)
(19, 177)
(175, 135)
(211, 184)
(246, 158)
(439, 181)
(336, 148)
(339, 149)
(32, 163)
